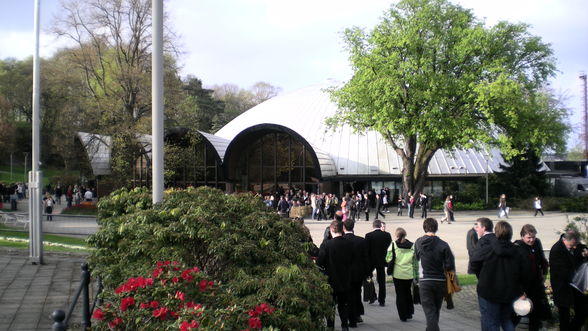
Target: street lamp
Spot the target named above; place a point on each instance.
(487, 159)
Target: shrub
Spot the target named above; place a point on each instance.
(577, 204)
(255, 254)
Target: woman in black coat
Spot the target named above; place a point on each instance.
(565, 257)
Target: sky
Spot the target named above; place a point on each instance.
(293, 44)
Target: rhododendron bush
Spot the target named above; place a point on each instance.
(174, 297)
(251, 254)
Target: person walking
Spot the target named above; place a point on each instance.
(48, 202)
(424, 202)
(336, 257)
(435, 258)
(359, 272)
(502, 208)
(565, 257)
(448, 210)
(537, 266)
(538, 206)
(377, 243)
(403, 268)
(379, 206)
(411, 204)
(401, 204)
(502, 273)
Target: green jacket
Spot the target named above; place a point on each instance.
(401, 257)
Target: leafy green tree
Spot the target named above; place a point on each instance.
(576, 153)
(432, 76)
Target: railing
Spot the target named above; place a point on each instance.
(61, 320)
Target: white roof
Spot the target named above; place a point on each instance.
(98, 149)
(353, 154)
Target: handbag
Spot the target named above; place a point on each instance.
(452, 283)
(580, 280)
(369, 290)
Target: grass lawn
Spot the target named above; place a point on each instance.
(18, 174)
(55, 243)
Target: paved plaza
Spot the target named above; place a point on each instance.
(29, 293)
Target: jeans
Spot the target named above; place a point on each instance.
(495, 315)
(432, 293)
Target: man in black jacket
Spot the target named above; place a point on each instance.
(359, 272)
(531, 249)
(483, 227)
(377, 243)
(336, 257)
(435, 258)
(565, 258)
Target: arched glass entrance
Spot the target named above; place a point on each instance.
(273, 160)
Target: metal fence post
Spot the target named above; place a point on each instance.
(86, 323)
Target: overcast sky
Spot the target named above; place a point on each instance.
(292, 44)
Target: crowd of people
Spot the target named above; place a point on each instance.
(507, 271)
(355, 205)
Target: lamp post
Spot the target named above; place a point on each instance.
(487, 158)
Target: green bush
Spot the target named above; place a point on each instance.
(255, 254)
(577, 204)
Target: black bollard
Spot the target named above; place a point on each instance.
(86, 323)
(58, 316)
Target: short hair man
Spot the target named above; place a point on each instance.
(336, 257)
(435, 258)
(359, 271)
(483, 227)
(565, 257)
(532, 251)
(377, 243)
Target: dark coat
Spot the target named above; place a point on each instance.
(336, 257)
(502, 271)
(471, 241)
(377, 243)
(360, 266)
(481, 252)
(564, 264)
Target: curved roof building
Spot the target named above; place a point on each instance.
(284, 142)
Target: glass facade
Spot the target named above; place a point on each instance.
(274, 160)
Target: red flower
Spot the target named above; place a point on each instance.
(126, 303)
(186, 275)
(203, 284)
(161, 313)
(98, 314)
(175, 280)
(144, 305)
(185, 326)
(180, 295)
(210, 283)
(112, 324)
(196, 269)
(154, 304)
(156, 272)
(254, 323)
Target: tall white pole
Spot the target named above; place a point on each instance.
(157, 101)
(35, 230)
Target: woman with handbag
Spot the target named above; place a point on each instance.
(403, 267)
